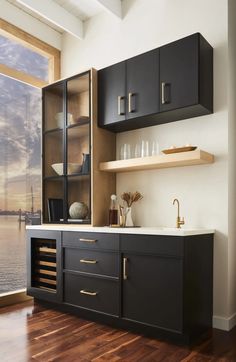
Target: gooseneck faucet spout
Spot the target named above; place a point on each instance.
(179, 220)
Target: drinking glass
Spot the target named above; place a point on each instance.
(125, 152)
(137, 152)
(155, 148)
(144, 148)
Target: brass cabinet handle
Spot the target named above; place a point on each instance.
(130, 101)
(163, 85)
(86, 292)
(88, 261)
(88, 240)
(125, 277)
(119, 105)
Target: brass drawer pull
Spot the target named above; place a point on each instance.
(125, 277)
(92, 294)
(88, 261)
(88, 240)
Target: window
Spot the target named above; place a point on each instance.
(26, 64)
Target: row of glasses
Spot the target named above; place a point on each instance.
(141, 149)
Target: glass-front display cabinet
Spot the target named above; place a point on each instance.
(67, 150)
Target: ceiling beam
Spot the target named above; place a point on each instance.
(113, 6)
(56, 15)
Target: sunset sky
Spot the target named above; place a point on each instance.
(20, 129)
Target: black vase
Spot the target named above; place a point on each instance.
(86, 163)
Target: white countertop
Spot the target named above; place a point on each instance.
(136, 230)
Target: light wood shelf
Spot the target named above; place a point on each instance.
(190, 158)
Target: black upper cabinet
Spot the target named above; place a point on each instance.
(167, 84)
(179, 74)
(142, 73)
(128, 91)
(186, 75)
(112, 94)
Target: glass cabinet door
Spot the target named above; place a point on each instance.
(53, 153)
(66, 151)
(78, 149)
(53, 107)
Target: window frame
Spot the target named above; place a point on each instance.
(54, 57)
(29, 41)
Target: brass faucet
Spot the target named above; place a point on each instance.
(179, 220)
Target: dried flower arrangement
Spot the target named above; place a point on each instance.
(130, 197)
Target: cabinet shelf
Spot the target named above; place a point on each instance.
(79, 124)
(190, 158)
(52, 130)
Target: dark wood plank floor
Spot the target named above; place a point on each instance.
(29, 332)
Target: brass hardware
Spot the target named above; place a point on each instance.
(119, 105)
(179, 220)
(163, 84)
(88, 240)
(86, 292)
(125, 277)
(88, 261)
(130, 99)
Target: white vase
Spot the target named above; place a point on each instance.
(129, 220)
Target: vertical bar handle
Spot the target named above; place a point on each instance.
(163, 85)
(130, 102)
(120, 98)
(125, 277)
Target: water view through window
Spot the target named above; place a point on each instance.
(20, 176)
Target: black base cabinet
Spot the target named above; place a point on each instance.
(152, 284)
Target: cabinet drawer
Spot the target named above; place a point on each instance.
(153, 244)
(91, 240)
(91, 261)
(92, 293)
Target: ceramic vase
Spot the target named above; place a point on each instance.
(129, 220)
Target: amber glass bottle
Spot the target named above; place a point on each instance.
(113, 211)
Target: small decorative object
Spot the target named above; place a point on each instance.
(126, 213)
(59, 117)
(174, 149)
(78, 210)
(86, 163)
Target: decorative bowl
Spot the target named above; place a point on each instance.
(58, 168)
(73, 168)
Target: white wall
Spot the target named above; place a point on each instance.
(202, 190)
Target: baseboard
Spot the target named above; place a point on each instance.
(15, 297)
(226, 324)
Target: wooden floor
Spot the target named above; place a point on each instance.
(30, 333)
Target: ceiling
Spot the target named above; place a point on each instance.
(68, 15)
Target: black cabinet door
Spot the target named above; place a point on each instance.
(111, 94)
(152, 292)
(143, 85)
(179, 71)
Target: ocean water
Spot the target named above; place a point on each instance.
(12, 254)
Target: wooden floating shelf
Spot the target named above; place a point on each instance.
(190, 158)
